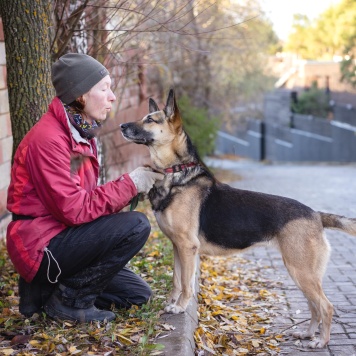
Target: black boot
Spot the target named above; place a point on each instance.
(33, 296)
(30, 298)
(55, 309)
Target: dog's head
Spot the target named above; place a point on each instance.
(159, 127)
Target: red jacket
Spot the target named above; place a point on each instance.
(54, 179)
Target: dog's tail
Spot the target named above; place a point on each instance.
(338, 222)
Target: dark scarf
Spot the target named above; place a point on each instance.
(85, 129)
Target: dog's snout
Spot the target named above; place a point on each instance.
(123, 127)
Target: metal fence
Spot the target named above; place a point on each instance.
(306, 138)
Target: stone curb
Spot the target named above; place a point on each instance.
(180, 341)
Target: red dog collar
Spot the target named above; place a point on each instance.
(179, 167)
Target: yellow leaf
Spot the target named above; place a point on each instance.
(262, 331)
(7, 351)
(220, 296)
(45, 336)
(154, 254)
(35, 343)
(218, 312)
(155, 234)
(199, 331)
(124, 339)
(51, 348)
(126, 331)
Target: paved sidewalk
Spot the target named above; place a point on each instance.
(329, 188)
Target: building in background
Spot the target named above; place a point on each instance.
(298, 75)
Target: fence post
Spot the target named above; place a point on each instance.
(263, 141)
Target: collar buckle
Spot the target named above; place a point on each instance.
(177, 168)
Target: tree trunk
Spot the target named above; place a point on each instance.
(28, 62)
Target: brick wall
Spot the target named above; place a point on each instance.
(5, 136)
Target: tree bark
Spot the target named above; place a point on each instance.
(26, 30)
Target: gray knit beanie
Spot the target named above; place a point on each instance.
(74, 74)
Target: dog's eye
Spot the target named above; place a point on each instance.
(149, 119)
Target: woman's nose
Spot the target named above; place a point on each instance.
(112, 96)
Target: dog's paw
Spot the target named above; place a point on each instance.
(301, 335)
(170, 301)
(174, 309)
(317, 344)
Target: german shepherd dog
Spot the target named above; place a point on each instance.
(203, 216)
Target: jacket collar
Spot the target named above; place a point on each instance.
(59, 112)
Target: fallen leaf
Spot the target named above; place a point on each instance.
(255, 343)
(20, 339)
(168, 327)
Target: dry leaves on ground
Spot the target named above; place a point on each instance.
(236, 309)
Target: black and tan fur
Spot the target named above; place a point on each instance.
(201, 215)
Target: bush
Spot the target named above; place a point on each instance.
(199, 125)
(312, 102)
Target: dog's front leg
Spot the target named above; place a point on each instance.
(187, 256)
(177, 286)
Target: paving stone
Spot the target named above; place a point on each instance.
(352, 301)
(350, 330)
(340, 342)
(337, 328)
(347, 288)
(339, 336)
(342, 351)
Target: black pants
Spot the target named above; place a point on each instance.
(91, 261)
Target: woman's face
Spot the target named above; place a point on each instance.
(98, 100)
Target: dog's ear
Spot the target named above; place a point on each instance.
(152, 106)
(171, 108)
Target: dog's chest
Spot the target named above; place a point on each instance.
(162, 194)
(164, 222)
(180, 218)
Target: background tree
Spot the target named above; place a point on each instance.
(28, 61)
(348, 64)
(298, 41)
(241, 75)
(219, 58)
(331, 35)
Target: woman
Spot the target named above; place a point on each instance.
(67, 240)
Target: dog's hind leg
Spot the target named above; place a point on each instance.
(305, 257)
(313, 325)
(321, 311)
(187, 254)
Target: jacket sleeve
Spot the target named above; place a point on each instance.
(49, 165)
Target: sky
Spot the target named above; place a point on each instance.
(281, 12)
